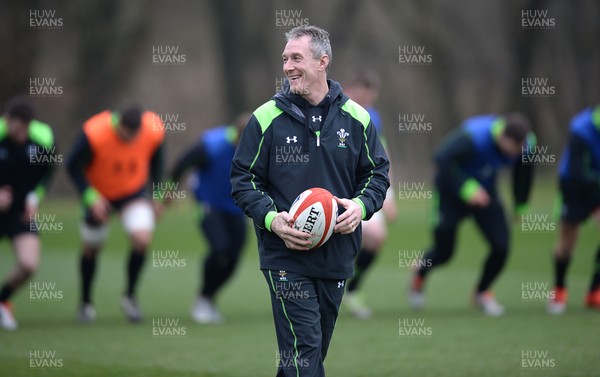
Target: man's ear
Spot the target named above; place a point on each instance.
(323, 62)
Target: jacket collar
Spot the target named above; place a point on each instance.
(293, 103)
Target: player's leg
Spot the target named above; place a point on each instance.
(27, 251)
(93, 234)
(374, 234)
(493, 225)
(574, 209)
(297, 318)
(330, 294)
(448, 212)
(138, 220)
(567, 239)
(226, 235)
(593, 296)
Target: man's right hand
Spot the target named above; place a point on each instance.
(294, 239)
(481, 198)
(6, 198)
(100, 209)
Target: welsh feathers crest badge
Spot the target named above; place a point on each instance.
(343, 135)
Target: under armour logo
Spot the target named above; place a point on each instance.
(316, 118)
(341, 283)
(289, 139)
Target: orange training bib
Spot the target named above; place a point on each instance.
(119, 168)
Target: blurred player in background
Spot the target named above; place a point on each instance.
(467, 165)
(26, 165)
(579, 173)
(363, 87)
(335, 147)
(223, 223)
(112, 164)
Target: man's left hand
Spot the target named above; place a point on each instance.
(348, 221)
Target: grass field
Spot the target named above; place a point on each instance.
(456, 341)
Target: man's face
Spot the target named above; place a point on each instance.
(302, 69)
(18, 130)
(509, 146)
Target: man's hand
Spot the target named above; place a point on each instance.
(348, 221)
(294, 239)
(31, 207)
(481, 198)
(6, 198)
(100, 209)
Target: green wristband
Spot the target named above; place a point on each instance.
(90, 196)
(468, 189)
(269, 219)
(362, 207)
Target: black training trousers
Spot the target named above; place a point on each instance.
(305, 311)
(490, 220)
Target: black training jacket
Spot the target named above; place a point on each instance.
(279, 156)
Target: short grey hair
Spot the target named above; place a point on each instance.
(319, 40)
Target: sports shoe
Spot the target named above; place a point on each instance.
(558, 302)
(416, 297)
(87, 313)
(205, 312)
(592, 300)
(131, 309)
(7, 320)
(356, 305)
(488, 304)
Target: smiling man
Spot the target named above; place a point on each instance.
(338, 150)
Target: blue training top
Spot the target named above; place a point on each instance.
(213, 186)
(376, 119)
(489, 160)
(586, 125)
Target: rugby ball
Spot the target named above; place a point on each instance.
(315, 212)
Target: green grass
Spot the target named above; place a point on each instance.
(462, 341)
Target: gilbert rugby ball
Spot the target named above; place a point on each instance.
(315, 211)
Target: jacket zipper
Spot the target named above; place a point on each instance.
(318, 133)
